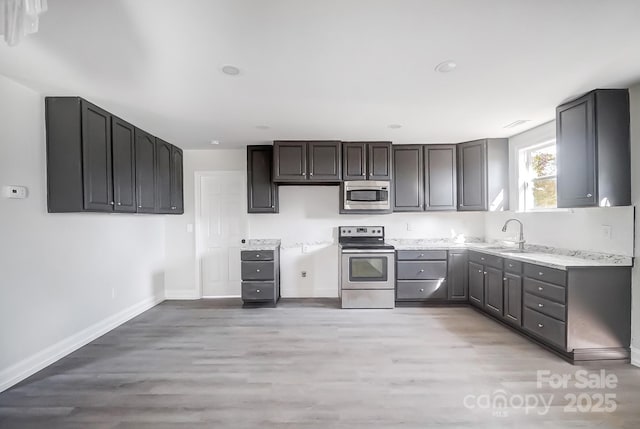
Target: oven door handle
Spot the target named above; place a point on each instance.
(361, 251)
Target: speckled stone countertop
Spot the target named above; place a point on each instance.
(260, 244)
(561, 259)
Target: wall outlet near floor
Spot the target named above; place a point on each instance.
(303, 274)
(605, 232)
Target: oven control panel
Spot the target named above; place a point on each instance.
(361, 231)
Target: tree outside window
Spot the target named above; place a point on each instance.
(540, 181)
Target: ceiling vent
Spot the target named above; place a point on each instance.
(517, 123)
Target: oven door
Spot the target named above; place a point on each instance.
(368, 269)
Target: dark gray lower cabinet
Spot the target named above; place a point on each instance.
(513, 298)
(262, 192)
(476, 284)
(421, 275)
(260, 270)
(493, 291)
(457, 276)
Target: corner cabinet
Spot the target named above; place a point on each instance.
(307, 161)
(483, 175)
(366, 160)
(262, 193)
(97, 162)
(594, 150)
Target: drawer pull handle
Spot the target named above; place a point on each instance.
(422, 271)
(540, 288)
(540, 325)
(510, 265)
(422, 255)
(258, 270)
(257, 255)
(258, 290)
(479, 271)
(421, 290)
(540, 305)
(482, 259)
(504, 279)
(540, 273)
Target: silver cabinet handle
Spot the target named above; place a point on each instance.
(310, 174)
(540, 305)
(139, 207)
(541, 273)
(479, 271)
(422, 255)
(540, 288)
(540, 325)
(258, 290)
(485, 273)
(258, 270)
(119, 204)
(482, 259)
(422, 271)
(504, 279)
(257, 255)
(421, 290)
(111, 203)
(589, 195)
(510, 265)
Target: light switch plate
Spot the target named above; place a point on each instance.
(16, 192)
(606, 232)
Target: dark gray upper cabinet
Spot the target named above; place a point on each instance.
(366, 160)
(325, 161)
(483, 175)
(593, 150)
(262, 193)
(457, 275)
(440, 177)
(177, 181)
(96, 158)
(145, 172)
(302, 161)
(163, 176)
(124, 165)
(408, 178)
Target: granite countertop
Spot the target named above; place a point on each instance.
(260, 244)
(561, 259)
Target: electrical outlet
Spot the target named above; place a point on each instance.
(303, 274)
(305, 248)
(189, 227)
(605, 230)
(409, 226)
(17, 192)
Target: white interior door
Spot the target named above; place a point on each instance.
(221, 225)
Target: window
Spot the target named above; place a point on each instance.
(538, 176)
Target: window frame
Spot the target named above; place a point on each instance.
(525, 179)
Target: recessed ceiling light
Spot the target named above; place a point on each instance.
(395, 126)
(446, 66)
(215, 142)
(230, 70)
(263, 127)
(517, 123)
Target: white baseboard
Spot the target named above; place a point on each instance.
(635, 356)
(29, 366)
(181, 294)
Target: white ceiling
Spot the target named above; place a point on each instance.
(329, 69)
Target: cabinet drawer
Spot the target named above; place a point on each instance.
(484, 259)
(545, 306)
(257, 270)
(422, 270)
(512, 266)
(550, 275)
(258, 291)
(545, 290)
(256, 255)
(421, 290)
(545, 327)
(421, 255)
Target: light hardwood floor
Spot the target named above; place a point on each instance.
(307, 364)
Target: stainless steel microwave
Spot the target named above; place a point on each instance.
(365, 196)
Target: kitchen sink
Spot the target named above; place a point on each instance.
(506, 250)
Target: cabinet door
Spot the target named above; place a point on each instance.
(513, 298)
(379, 165)
(325, 161)
(145, 172)
(457, 276)
(177, 180)
(493, 291)
(124, 165)
(290, 161)
(472, 176)
(440, 178)
(354, 161)
(262, 192)
(163, 176)
(476, 284)
(576, 153)
(408, 174)
(96, 158)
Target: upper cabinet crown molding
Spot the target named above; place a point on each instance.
(307, 161)
(483, 175)
(594, 150)
(97, 162)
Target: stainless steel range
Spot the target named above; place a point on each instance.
(367, 268)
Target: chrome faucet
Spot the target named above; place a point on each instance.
(521, 239)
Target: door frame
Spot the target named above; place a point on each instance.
(198, 176)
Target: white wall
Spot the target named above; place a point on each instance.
(58, 271)
(308, 217)
(635, 198)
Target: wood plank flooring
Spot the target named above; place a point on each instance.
(308, 364)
